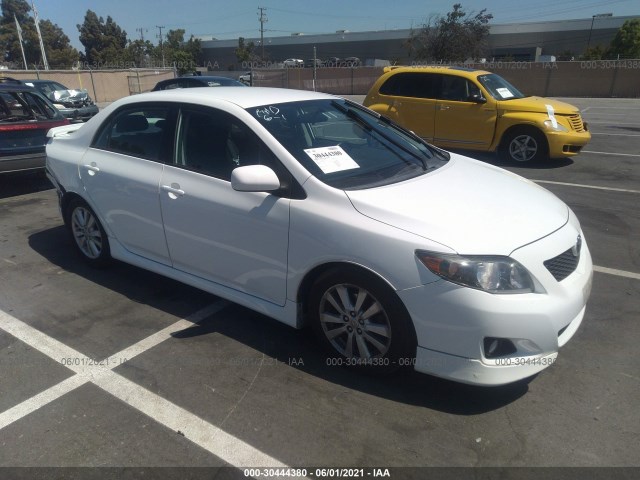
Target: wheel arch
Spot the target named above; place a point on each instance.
(522, 127)
(304, 289)
(65, 201)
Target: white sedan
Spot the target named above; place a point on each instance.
(293, 62)
(314, 210)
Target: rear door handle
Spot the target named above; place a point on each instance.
(92, 168)
(444, 107)
(173, 190)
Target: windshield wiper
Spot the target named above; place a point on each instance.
(367, 126)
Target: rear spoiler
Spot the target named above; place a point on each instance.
(64, 130)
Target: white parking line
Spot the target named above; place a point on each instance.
(610, 153)
(617, 134)
(619, 273)
(223, 445)
(612, 189)
(40, 400)
(613, 123)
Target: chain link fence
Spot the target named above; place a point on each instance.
(585, 78)
(104, 86)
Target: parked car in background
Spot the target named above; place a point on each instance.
(314, 61)
(74, 104)
(310, 208)
(25, 118)
(456, 107)
(333, 62)
(293, 63)
(197, 81)
(352, 62)
(245, 78)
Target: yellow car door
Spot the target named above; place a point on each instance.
(464, 116)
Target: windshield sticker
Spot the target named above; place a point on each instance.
(504, 92)
(269, 113)
(552, 117)
(331, 159)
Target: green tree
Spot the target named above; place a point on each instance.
(104, 42)
(184, 56)
(456, 36)
(140, 53)
(60, 53)
(626, 43)
(593, 53)
(244, 52)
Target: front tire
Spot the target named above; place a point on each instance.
(361, 322)
(524, 145)
(88, 236)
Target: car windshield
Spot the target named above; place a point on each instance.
(499, 88)
(347, 146)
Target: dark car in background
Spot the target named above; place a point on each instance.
(197, 81)
(74, 104)
(25, 118)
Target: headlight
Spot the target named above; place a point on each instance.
(557, 128)
(493, 274)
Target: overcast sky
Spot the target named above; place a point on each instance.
(232, 19)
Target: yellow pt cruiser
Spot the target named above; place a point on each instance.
(455, 107)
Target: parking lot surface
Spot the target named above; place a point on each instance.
(122, 368)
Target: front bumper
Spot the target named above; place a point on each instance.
(452, 322)
(566, 144)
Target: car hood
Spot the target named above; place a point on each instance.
(68, 95)
(537, 104)
(470, 207)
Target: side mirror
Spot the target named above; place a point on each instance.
(476, 98)
(254, 178)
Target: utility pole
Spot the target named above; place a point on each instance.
(159, 27)
(37, 21)
(19, 30)
(593, 19)
(263, 19)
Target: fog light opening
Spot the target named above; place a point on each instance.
(498, 347)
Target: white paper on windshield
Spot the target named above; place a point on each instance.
(331, 159)
(552, 117)
(504, 92)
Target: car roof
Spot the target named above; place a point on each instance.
(243, 97)
(9, 83)
(16, 87)
(35, 80)
(463, 71)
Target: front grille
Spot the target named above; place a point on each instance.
(576, 122)
(563, 265)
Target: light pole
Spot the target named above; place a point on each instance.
(593, 19)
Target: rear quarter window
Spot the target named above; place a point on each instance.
(410, 84)
(24, 105)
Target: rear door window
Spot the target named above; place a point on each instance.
(144, 131)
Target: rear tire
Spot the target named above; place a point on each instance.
(88, 236)
(361, 322)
